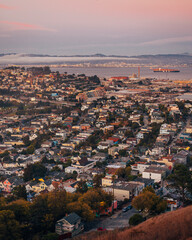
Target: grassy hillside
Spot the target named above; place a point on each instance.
(169, 226)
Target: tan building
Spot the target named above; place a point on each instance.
(167, 160)
(124, 190)
(107, 181)
(189, 129)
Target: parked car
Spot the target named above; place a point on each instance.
(129, 207)
(101, 229)
(125, 209)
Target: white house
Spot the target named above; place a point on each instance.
(155, 173)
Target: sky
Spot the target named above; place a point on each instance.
(121, 27)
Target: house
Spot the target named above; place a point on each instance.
(12, 182)
(140, 166)
(125, 190)
(113, 151)
(155, 151)
(115, 140)
(108, 128)
(71, 169)
(155, 173)
(186, 137)
(107, 181)
(162, 140)
(167, 160)
(1, 186)
(146, 181)
(131, 141)
(139, 136)
(99, 157)
(46, 144)
(70, 224)
(181, 157)
(103, 145)
(188, 129)
(83, 164)
(122, 130)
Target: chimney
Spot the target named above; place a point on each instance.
(169, 152)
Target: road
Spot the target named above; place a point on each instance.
(118, 220)
(182, 131)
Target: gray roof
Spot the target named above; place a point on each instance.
(146, 181)
(72, 218)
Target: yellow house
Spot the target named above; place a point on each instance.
(39, 187)
(17, 143)
(72, 145)
(107, 181)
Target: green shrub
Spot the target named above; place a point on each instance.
(136, 219)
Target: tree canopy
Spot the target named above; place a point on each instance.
(149, 203)
(181, 180)
(34, 171)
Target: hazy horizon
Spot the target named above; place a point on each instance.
(122, 27)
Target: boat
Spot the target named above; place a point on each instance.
(165, 70)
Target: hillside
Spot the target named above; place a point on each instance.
(169, 226)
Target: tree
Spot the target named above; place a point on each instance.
(141, 120)
(82, 209)
(124, 172)
(30, 149)
(38, 210)
(7, 158)
(50, 236)
(56, 202)
(136, 219)
(134, 125)
(97, 180)
(20, 192)
(2, 203)
(26, 140)
(148, 202)
(148, 189)
(93, 197)
(127, 171)
(82, 186)
(181, 180)
(123, 153)
(9, 227)
(129, 134)
(33, 171)
(20, 209)
(120, 172)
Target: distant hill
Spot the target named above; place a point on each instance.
(158, 60)
(176, 225)
(101, 55)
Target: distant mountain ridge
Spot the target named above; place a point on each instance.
(101, 55)
(98, 58)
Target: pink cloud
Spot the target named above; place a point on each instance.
(25, 26)
(168, 40)
(5, 7)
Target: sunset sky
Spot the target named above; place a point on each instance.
(124, 27)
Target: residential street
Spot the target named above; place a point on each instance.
(118, 220)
